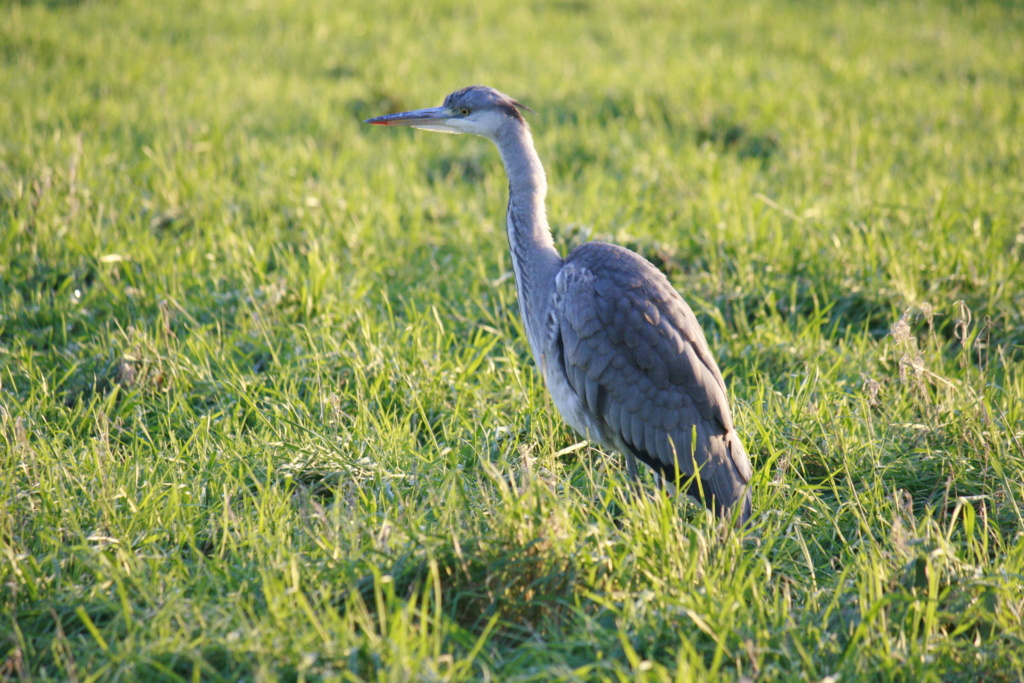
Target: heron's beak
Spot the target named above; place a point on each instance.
(434, 119)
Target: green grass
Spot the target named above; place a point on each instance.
(266, 406)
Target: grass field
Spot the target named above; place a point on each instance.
(267, 410)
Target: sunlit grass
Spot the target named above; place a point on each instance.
(266, 406)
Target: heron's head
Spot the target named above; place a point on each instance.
(477, 109)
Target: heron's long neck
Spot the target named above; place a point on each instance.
(534, 258)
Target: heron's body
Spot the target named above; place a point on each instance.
(621, 352)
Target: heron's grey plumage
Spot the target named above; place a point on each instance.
(621, 352)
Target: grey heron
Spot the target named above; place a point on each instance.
(621, 352)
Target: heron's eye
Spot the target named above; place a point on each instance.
(464, 111)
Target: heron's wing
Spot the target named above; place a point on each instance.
(637, 358)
